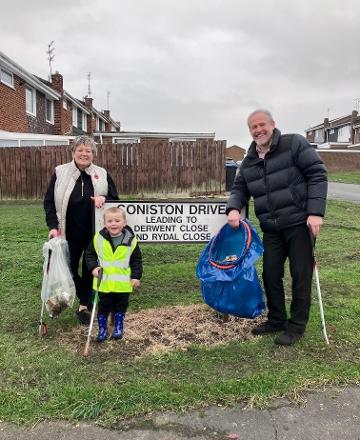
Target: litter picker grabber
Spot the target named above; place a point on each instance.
(317, 280)
(41, 323)
(96, 300)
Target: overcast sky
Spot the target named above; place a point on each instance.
(196, 65)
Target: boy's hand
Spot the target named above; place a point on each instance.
(95, 272)
(135, 283)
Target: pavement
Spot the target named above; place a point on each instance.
(344, 191)
(330, 414)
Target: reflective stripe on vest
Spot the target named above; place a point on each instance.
(116, 265)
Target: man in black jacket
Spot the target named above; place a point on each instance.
(288, 182)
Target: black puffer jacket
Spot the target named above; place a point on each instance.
(287, 186)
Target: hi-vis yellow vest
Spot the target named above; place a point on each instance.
(116, 267)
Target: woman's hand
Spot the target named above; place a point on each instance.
(98, 201)
(53, 233)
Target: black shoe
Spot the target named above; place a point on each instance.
(288, 338)
(84, 316)
(266, 327)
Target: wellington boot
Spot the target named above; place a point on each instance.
(118, 325)
(102, 335)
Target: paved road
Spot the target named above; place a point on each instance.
(333, 414)
(344, 191)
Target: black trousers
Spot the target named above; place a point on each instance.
(113, 302)
(83, 282)
(293, 243)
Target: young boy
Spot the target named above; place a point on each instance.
(114, 249)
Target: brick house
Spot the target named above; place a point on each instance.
(344, 130)
(235, 152)
(29, 104)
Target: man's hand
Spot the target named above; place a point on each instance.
(98, 201)
(234, 218)
(314, 222)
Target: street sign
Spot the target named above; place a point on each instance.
(167, 221)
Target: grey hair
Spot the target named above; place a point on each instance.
(261, 110)
(84, 140)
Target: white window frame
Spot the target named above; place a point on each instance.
(102, 125)
(33, 92)
(51, 120)
(84, 121)
(74, 116)
(7, 72)
(97, 124)
(117, 140)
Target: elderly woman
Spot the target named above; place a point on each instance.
(74, 189)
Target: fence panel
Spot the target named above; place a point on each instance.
(146, 167)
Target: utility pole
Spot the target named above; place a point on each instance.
(51, 56)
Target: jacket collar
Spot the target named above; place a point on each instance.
(89, 170)
(252, 153)
(127, 239)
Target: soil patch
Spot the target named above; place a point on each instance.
(158, 330)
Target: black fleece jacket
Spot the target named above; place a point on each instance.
(91, 257)
(288, 185)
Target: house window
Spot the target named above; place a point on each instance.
(101, 125)
(84, 122)
(79, 119)
(30, 97)
(65, 104)
(49, 109)
(7, 77)
(74, 116)
(97, 124)
(126, 140)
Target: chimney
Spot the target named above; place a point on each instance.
(108, 122)
(57, 82)
(88, 102)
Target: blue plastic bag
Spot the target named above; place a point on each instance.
(226, 268)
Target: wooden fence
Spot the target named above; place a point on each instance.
(175, 167)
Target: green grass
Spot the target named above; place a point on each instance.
(42, 378)
(345, 176)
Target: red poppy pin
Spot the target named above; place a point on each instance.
(96, 176)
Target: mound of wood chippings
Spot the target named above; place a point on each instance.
(155, 330)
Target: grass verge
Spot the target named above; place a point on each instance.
(345, 176)
(43, 378)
